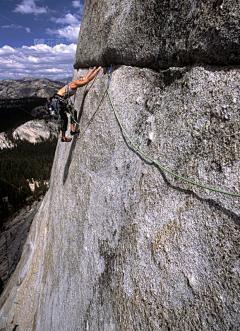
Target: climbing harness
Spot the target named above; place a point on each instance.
(155, 162)
(109, 76)
(90, 120)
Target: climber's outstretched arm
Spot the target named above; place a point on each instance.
(90, 73)
(85, 80)
(81, 81)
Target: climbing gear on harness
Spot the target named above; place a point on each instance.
(90, 120)
(69, 105)
(109, 76)
(159, 165)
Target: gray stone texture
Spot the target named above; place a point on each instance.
(31, 131)
(118, 244)
(159, 34)
(36, 131)
(12, 239)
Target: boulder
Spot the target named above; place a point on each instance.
(36, 131)
(159, 34)
(39, 111)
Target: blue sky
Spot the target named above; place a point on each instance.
(38, 38)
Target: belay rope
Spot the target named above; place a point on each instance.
(70, 106)
(149, 158)
(136, 147)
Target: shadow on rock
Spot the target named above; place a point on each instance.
(211, 202)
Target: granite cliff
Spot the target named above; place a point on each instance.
(159, 33)
(117, 243)
(32, 131)
(12, 240)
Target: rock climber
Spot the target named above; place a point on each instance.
(62, 95)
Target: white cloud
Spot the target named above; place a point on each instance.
(11, 26)
(68, 19)
(15, 26)
(37, 61)
(30, 7)
(6, 50)
(71, 31)
(76, 4)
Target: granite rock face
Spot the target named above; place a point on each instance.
(159, 34)
(117, 243)
(12, 240)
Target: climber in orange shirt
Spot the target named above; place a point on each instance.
(64, 93)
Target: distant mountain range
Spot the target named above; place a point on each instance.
(30, 87)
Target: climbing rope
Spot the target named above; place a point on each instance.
(99, 105)
(158, 164)
(88, 122)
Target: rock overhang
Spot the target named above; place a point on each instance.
(158, 34)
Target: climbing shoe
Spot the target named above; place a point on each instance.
(66, 140)
(74, 132)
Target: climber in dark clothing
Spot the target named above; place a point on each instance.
(62, 95)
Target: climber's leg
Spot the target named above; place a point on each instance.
(64, 124)
(73, 130)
